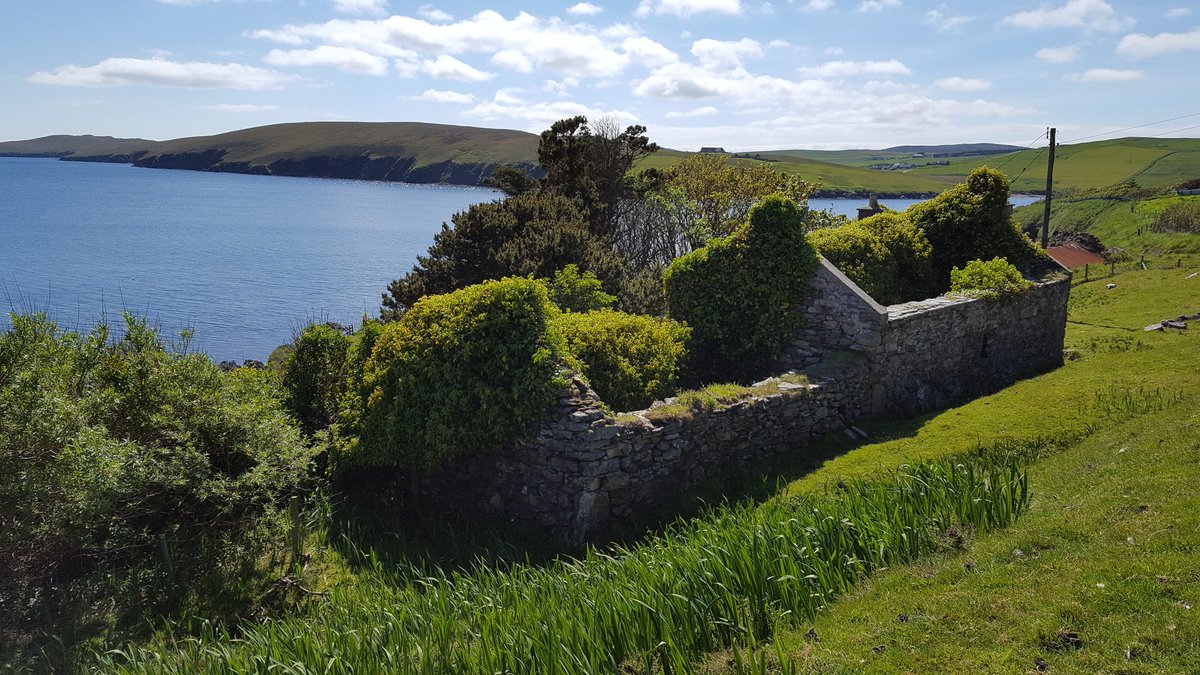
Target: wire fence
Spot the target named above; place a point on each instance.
(1092, 273)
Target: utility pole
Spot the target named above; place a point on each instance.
(1049, 191)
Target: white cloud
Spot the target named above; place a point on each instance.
(944, 22)
(117, 72)
(779, 44)
(852, 68)
(1089, 14)
(1106, 75)
(694, 112)
(537, 115)
(361, 6)
(443, 96)
(513, 60)
(343, 58)
(686, 8)
(571, 50)
(718, 54)
(962, 84)
(877, 5)
(446, 67)
(817, 6)
(1177, 12)
(434, 14)
(240, 107)
(584, 9)
(835, 51)
(560, 87)
(1141, 46)
(648, 52)
(1065, 54)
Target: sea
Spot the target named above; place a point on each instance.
(242, 262)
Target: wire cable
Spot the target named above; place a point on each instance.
(1044, 134)
(1035, 158)
(1137, 126)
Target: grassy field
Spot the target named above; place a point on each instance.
(1151, 162)
(1120, 223)
(1098, 576)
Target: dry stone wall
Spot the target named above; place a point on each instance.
(586, 470)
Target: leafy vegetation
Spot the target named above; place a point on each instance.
(991, 279)
(738, 292)
(1183, 216)
(314, 374)
(728, 579)
(462, 371)
(629, 360)
(572, 291)
(135, 479)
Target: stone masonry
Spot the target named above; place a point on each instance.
(585, 469)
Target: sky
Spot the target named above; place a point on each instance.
(740, 74)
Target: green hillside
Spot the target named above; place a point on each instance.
(1150, 162)
(76, 147)
(401, 151)
(836, 179)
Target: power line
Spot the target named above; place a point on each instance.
(1139, 126)
(1176, 131)
(1035, 158)
(1017, 152)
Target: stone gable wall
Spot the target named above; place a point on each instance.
(586, 470)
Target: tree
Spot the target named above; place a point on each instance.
(591, 165)
(511, 180)
(531, 233)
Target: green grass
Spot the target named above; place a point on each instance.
(1123, 224)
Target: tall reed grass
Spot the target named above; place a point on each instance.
(726, 580)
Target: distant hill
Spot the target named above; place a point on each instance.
(89, 148)
(957, 150)
(411, 152)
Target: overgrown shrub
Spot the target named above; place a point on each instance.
(572, 291)
(130, 474)
(912, 270)
(987, 279)
(314, 375)
(861, 255)
(738, 293)
(1183, 216)
(971, 221)
(467, 370)
(629, 360)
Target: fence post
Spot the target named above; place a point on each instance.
(166, 555)
(294, 507)
(1085, 272)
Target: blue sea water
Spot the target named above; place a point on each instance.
(243, 260)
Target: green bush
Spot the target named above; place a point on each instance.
(861, 255)
(971, 221)
(572, 291)
(739, 293)
(629, 360)
(1182, 216)
(912, 271)
(992, 279)
(464, 371)
(114, 457)
(314, 375)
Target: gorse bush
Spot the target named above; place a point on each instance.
(738, 293)
(129, 473)
(991, 279)
(1182, 216)
(467, 370)
(629, 360)
(572, 291)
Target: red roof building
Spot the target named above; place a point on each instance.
(1071, 256)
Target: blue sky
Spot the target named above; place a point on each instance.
(742, 74)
